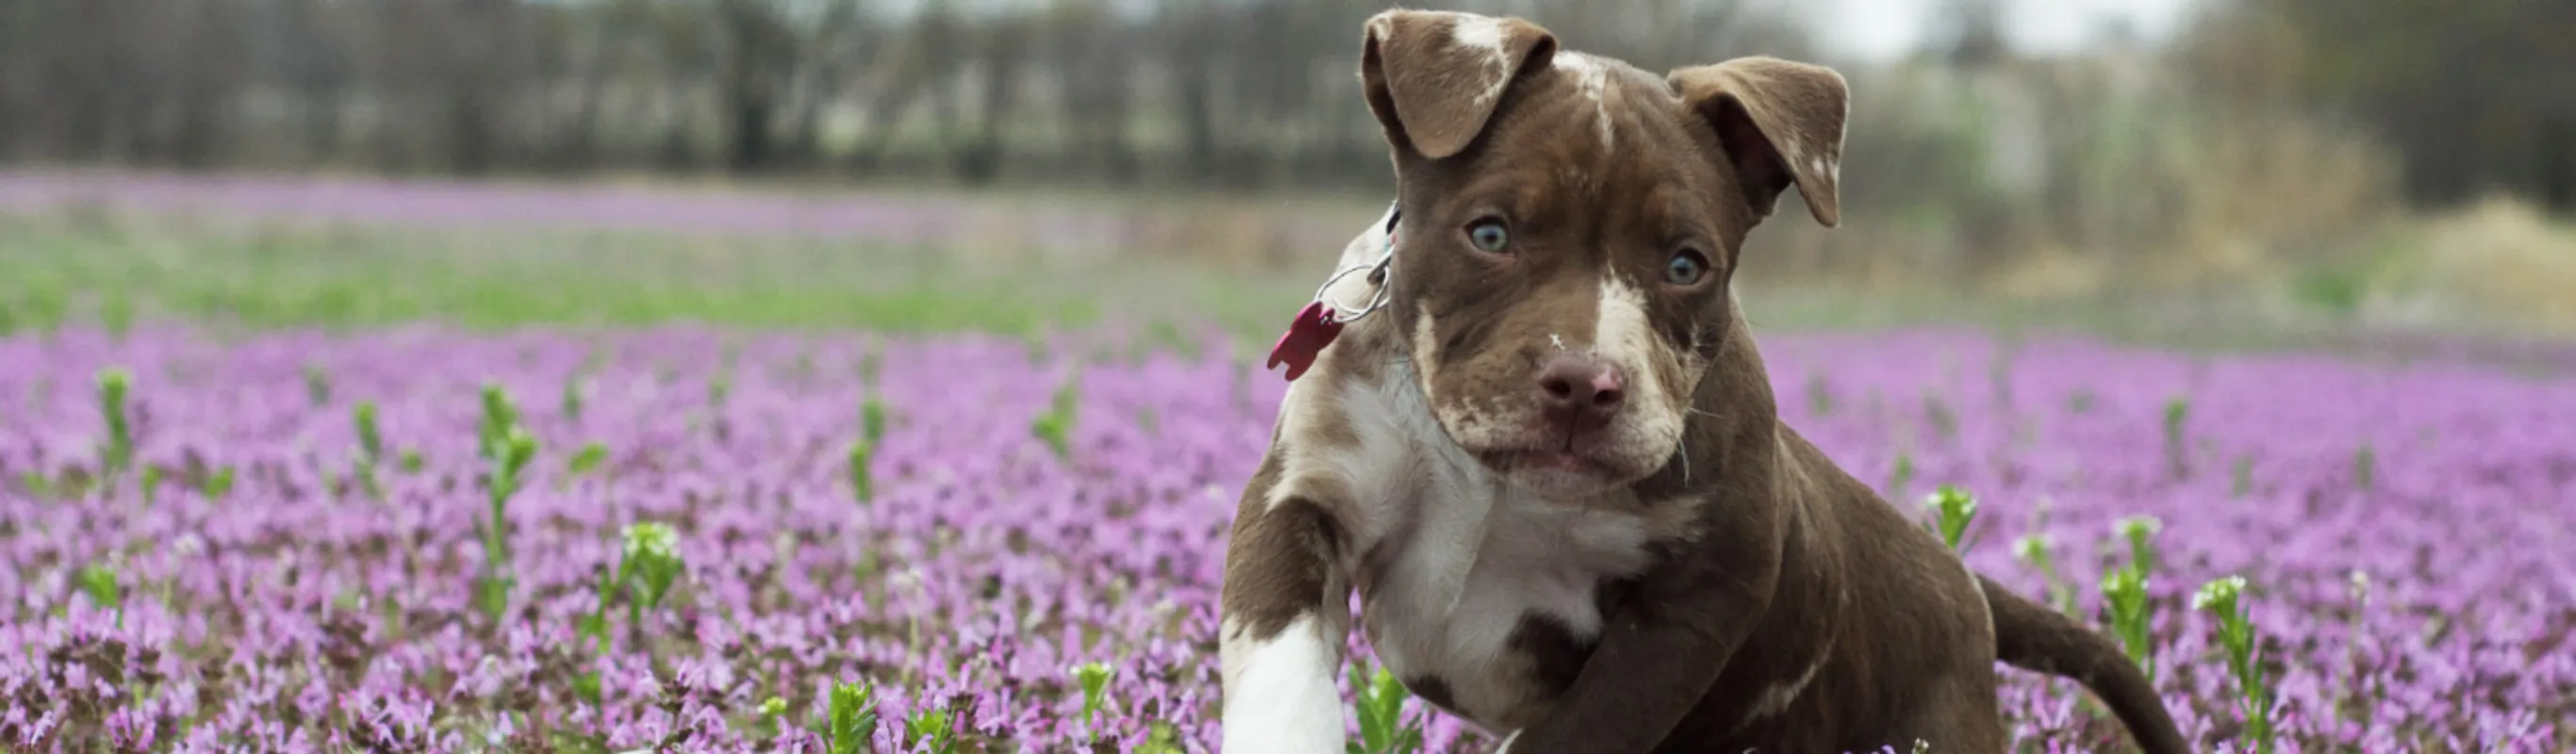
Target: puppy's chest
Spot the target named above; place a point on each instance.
(1485, 599)
(1482, 597)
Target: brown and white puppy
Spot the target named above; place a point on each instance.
(1551, 467)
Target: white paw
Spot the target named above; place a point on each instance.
(1279, 694)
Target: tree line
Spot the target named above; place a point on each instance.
(2470, 96)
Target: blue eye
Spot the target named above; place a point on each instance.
(1686, 268)
(1489, 236)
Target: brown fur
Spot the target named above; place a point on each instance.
(1772, 602)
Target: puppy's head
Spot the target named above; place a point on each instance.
(1569, 228)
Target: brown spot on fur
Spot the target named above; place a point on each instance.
(1554, 653)
(1280, 559)
(1611, 594)
(1433, 690)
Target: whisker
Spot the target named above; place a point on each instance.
(1684, 443)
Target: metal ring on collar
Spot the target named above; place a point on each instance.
(1376, 301)
(1379, 270)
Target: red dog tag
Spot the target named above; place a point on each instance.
(1306, 338)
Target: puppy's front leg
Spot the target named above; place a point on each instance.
(1285, 618)
(1662, 650)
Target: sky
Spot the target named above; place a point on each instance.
(1881, 29)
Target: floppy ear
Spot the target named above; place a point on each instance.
(1781, 122)
(1434, 77)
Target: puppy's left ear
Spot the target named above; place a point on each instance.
(1780, 122)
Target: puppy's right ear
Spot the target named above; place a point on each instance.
(1434, 77)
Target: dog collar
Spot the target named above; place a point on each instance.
(1322, 320)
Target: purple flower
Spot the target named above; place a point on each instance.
(292, 615)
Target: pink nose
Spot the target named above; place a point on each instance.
(1579, 391)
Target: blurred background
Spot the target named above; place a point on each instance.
(2204, 169)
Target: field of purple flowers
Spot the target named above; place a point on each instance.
(693, 540)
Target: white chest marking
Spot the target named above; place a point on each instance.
(1471, 556)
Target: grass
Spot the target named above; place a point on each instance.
(273, 274)
(90, 265)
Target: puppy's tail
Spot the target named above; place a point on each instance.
(2032, 637)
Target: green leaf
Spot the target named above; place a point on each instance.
(1053, 429)
(1389, 695)
(589, 459)
(1068, 396)
(218, 484)
(862, 480)
(872, 420)
(1373, 732)
(1955, 510)
(2124, 591)
(854, 718)
(2140, 532)
(1160, 738)
(931, 725)
(772, 713)
(1093, 677)
(572, 397)
(492, 595)
(2219, 595)
(367, 479)
(651, 562)
(519, 448)
(113, 382)
(2177, 412)
(1380, 711)
(586, 687)
(498, 416)
(317, 386)
(371, 440)
(1903, 475)
(100, 583)
(594, 626)
(113, 385)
